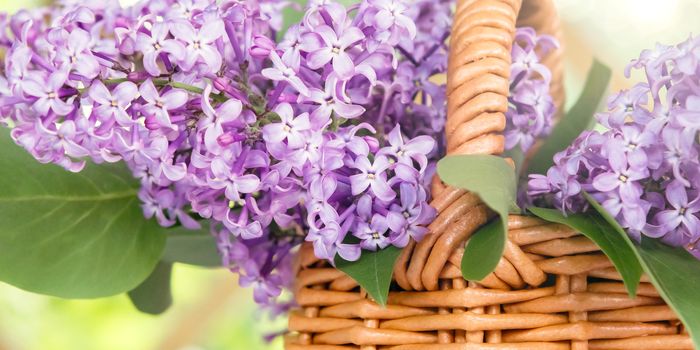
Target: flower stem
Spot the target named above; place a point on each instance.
(115, 81)
(187, 87)
(164, 82)
(388, 92)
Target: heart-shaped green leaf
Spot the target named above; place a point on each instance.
(578, 119)
(676, 275)
(193, 247)
(617, 247)
(494, 181)
(372, 271)
(153, 296)
(480, 259)
(673, 271)
(72, 235)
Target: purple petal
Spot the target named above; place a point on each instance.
(669, 219)
(630, 192)
(606, 182)
(274, 133)
(220, 169)
(183, 30)
(396, 221)
(211, 57)
(299, 85)
(89, 67)
(359, 183)
(285, 111)
(175, 48)
(677, 195)
(273, 74)
(150, 63)
(348, 111)
(319, 58)
(159, 31)
(343, 65)
(229, 110)
(327, 34)
(125, 93)
(635, 216)
(33, 88)
(406, 173)
(350, 37)
(382, 190)
(349, 252)
(57, 79)
(409, 195)
(421, 144)
(247, 183)
(61, 108)
(311, 42)
(384, 19)
(616, 157)
(100, 94)
(174, 99)
(162, 118)
(123, 118)
(211, 31)
(175, 172)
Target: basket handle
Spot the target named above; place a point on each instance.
(477, 100)
(479, 69)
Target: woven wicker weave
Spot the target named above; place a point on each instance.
(553, 289)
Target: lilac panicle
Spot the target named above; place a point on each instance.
(644, 169)
(328, 133)
(531, 108)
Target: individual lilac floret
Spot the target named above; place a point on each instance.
(645, 169)
(157, 46)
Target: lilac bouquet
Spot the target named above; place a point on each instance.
(645, 167)
(326, 133)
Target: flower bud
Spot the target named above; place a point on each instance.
(373, 143)
(221, 84)
(151, 123)
(226, 139)
(262, 46)
(137, 76)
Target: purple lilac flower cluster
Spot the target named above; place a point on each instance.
(272, 140)
(645, 169)
(531, 108)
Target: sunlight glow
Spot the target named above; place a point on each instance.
(650, 11)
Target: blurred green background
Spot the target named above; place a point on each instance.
(210, 311)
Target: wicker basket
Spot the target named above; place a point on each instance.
(553, 289)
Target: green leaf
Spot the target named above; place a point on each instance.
(673, 271)
(578, 119)
(494, 181)
(480, 261)
(153, 296)
(617, 247)
(676, 275)
(193, 247)
(291, 15)
(372, 271)
(608, 218)
(72, 235)
(518, 157)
